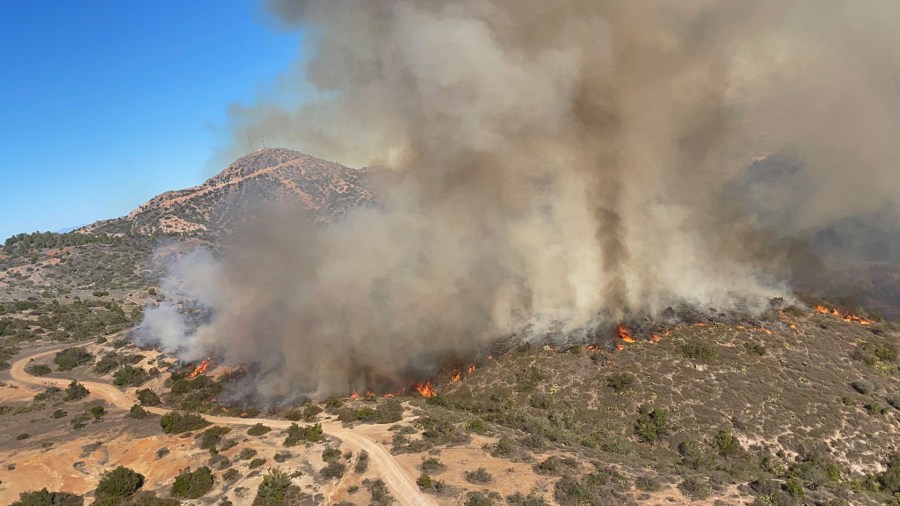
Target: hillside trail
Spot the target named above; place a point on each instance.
(401, 485)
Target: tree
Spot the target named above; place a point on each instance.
(75, 391)
(44, 497)
(193, 485)
(272, 489)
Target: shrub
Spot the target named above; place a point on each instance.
(129, 376)
(700, 351)
(379, 492)
(389, 411)
(176, 422)
(755, 348)
(247, 453)
(257, 462)
(333, 470)
(362, 462)
(23, 436)
(258, 430)
(71, 358)
(272, 488)
(862, 386)
(137, 412)
(694, 487)
(44, 497)
(621, 381)
(193, 485)
(557, 466)
(478, 499)
(75, 391)
(424, 481)
(148, 397)
(98, 412)
(794, 486)
(47, 394)
(212, 436)
(231, 474)
(647, 484)
(59, 413)
(651, 424)
(478, 476)
(726, 444)
(431, 464)
(38, 370)
(300, 435)
(121, 482)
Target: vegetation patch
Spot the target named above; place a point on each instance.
(193, 484)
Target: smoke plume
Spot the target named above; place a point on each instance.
(565, 163)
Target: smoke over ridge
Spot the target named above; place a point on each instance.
(554, 163)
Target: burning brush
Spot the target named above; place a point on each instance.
(846, 315)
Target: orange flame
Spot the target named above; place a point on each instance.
(354, 395)
(491, 357)
(625, 334)
(455, 376)
(654, 339)
(619, 347)
(244, 414)
(200, 369)
(426, 389)
(846, 316)
(470, 369)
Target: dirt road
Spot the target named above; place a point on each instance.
(400, 484)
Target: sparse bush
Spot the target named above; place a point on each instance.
(23, 436)
(478, 476)
(44, 497)
(162, 452)
(71, 358)
(389, 411)
(47, 394)
(694, 487)
(700, 351)
(246, 453)
(424, 481)
(862, 386)
(755, 348)
(38, 370)
(362, 462)
(75, 391)
(257, 462)
(726, 444)
(557, 466)
(177, 422)
(333, 470)
(193, 484)
(231, 474)
(431, 464)
(148, 397)
(621, 381)
(478, 499)
(519, 499)
(603, 486)
(794, 486)
(119, 483)
(647, 484)
(651, 424)
(379, 492)
(97, 412)
(258, 430)
(59, 413)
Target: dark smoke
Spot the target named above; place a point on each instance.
(558, 164)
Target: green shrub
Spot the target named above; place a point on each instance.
(59, 413)
(47, 394)
(651, 424)
(424, 481)
(71, 358)
(890, 478)
(38, 370)
(726, 444)
(231, 474)
(694, 487)
(137, 412)
(75, 391)
(478, 499)
(121, 482)
(148, 397)
(211, 437)
(44, 497)
(794, 486)
(389, 411)
(301, 435)
(557, 466)
(193, 484)
(478, 476)
(258, 430)
(177, 422)
(129, 376)
(98, 412)
(621, 381)
(256, 463)
(700, 351)
(431, 464)
(272, 488)
(755, 348)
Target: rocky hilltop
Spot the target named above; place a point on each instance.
(267, 177)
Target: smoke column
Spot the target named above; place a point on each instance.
(554, 163)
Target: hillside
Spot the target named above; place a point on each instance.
(271, 176)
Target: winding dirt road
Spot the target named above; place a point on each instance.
(398, 481)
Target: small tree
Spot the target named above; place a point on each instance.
(121, 482)
(272, 489)
(75, 391)
(148, 397)
(193, 485)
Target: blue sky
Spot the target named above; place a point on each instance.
(104, 105)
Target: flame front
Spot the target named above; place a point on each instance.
(426, 389)
(846, 316)
(625, 334)
(200, 369)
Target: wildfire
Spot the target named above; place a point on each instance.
(200, 369)
(846, 316)
(655, 338)
(470, 369)
(354, 395)
(244, 414)
(455, 376)
(426, 389)
(625, 334)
